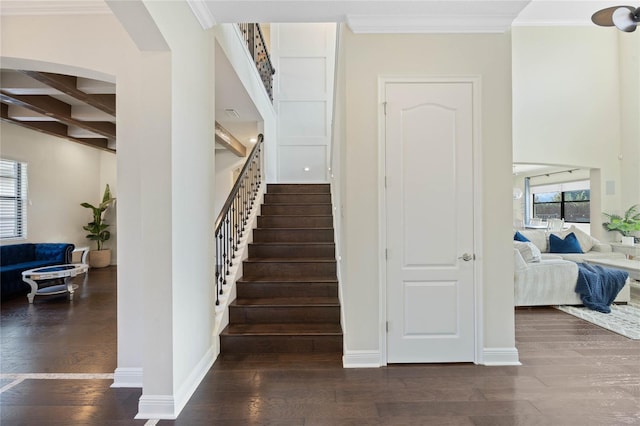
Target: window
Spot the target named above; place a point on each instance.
(570, 202)
(13, 199)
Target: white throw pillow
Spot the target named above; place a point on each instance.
(529, 252)
(585, 240)
(537, 237)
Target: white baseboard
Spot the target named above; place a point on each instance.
(501, 356)
(191, 383)
(127, 378)
(361, 359)
(161, 407)
(167, 407)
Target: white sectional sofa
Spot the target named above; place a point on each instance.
(591, 247)
(543, 278)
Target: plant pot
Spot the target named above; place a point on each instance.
(628, 241)
(99, 258)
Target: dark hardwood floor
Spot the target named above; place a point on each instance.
(573, 373)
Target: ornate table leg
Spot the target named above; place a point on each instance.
(70, 289)
(34, 288)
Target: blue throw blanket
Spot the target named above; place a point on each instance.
(598, 286)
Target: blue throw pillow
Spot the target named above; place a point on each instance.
(570, 244)
(519, 237)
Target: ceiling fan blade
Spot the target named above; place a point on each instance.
(604, 17)
(626, 21)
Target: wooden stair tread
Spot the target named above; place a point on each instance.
(293, 243)
(301, 280)
(271, 203)
(301, 215)
(278, 188)
(298, 229)
(286, 301)
(290, 259)
(294, 329)
(299, 193)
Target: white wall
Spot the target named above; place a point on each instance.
(226, 163)
(61, 175)
(186, 154)
(630, 101)
(230, 40)
(575, 102)
(304, 56)
(487, 56)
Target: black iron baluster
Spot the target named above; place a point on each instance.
(218, 265)
(257, 47)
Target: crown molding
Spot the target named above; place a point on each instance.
(405, 24)
(202, 13)
(551, 23)
(560, 13)
(34, 7)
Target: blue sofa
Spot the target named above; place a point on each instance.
(16, 258)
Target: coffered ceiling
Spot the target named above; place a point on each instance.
(79, 109)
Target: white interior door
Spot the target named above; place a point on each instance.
(430, 211)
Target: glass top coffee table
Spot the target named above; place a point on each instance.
(38, 276)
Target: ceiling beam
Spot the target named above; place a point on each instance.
(226, 139)
(55, 128)
(68, 84)
(52, 107)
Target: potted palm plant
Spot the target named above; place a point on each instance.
(626, 225)
(98, 231)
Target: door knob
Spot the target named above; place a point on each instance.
(467, 257)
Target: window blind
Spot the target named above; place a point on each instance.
(13, 199)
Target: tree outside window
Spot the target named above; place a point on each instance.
(572, 206)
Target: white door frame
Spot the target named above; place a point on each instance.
(477, 202)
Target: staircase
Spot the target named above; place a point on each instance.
(287, 299)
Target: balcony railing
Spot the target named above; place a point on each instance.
(258, 50)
